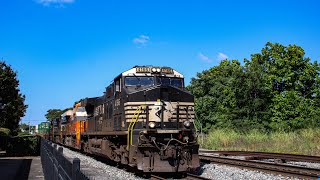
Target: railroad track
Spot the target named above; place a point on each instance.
(188, 176)
(155, 177)
(193, 176)
(265, 155)
(283, 169)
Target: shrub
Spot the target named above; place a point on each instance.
(4, 135)
(4, 131)
(27, 145)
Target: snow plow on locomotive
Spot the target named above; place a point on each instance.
(143, 119)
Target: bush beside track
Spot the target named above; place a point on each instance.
(26, 145)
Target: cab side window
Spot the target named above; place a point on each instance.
(117, 85)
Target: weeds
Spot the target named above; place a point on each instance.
(306, 141)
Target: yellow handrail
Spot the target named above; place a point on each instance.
(131, 125)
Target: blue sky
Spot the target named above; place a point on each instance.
(64, 50)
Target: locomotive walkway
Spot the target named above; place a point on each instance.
(24, 168)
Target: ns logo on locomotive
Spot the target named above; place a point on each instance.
(143, 119)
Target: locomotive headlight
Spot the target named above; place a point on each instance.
(186, 124)
(152, 125)
(153, 69)
(158, 70)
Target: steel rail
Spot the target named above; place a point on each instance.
(155, 177)
(188, 176)
(266, 155)
(194, 177)
(283, 169)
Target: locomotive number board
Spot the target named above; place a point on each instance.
(167, 70)
(143, 69)
(149, 70)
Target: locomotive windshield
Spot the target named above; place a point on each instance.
(170, 81)
(149, 81)
(139, 81)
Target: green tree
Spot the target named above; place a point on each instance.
(12, 106)
(53, 114)
(277, 89)
(293, 82)
(24, 126)
(215, 92)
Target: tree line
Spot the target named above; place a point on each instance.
(275, 90)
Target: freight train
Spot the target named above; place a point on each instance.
(145, 119)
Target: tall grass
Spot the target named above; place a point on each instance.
(306, 141)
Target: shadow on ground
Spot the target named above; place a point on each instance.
(14, 168)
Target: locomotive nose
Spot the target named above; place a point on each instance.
(168, 93)
(167, 104)
(162, 92)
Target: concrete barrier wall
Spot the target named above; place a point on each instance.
(58, 167)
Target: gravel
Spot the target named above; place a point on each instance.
(228, 172)
(96, 169)
(294, 163)
(305, 164)
(99, 170)
(215, 171)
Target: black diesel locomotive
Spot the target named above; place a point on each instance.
(144, 119)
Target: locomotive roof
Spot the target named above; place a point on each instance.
(151, 70)
(67, 113)
(88, 101)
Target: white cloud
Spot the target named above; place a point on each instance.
(142, 40)
(204, 58)
(54, 2)
(221, 56)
